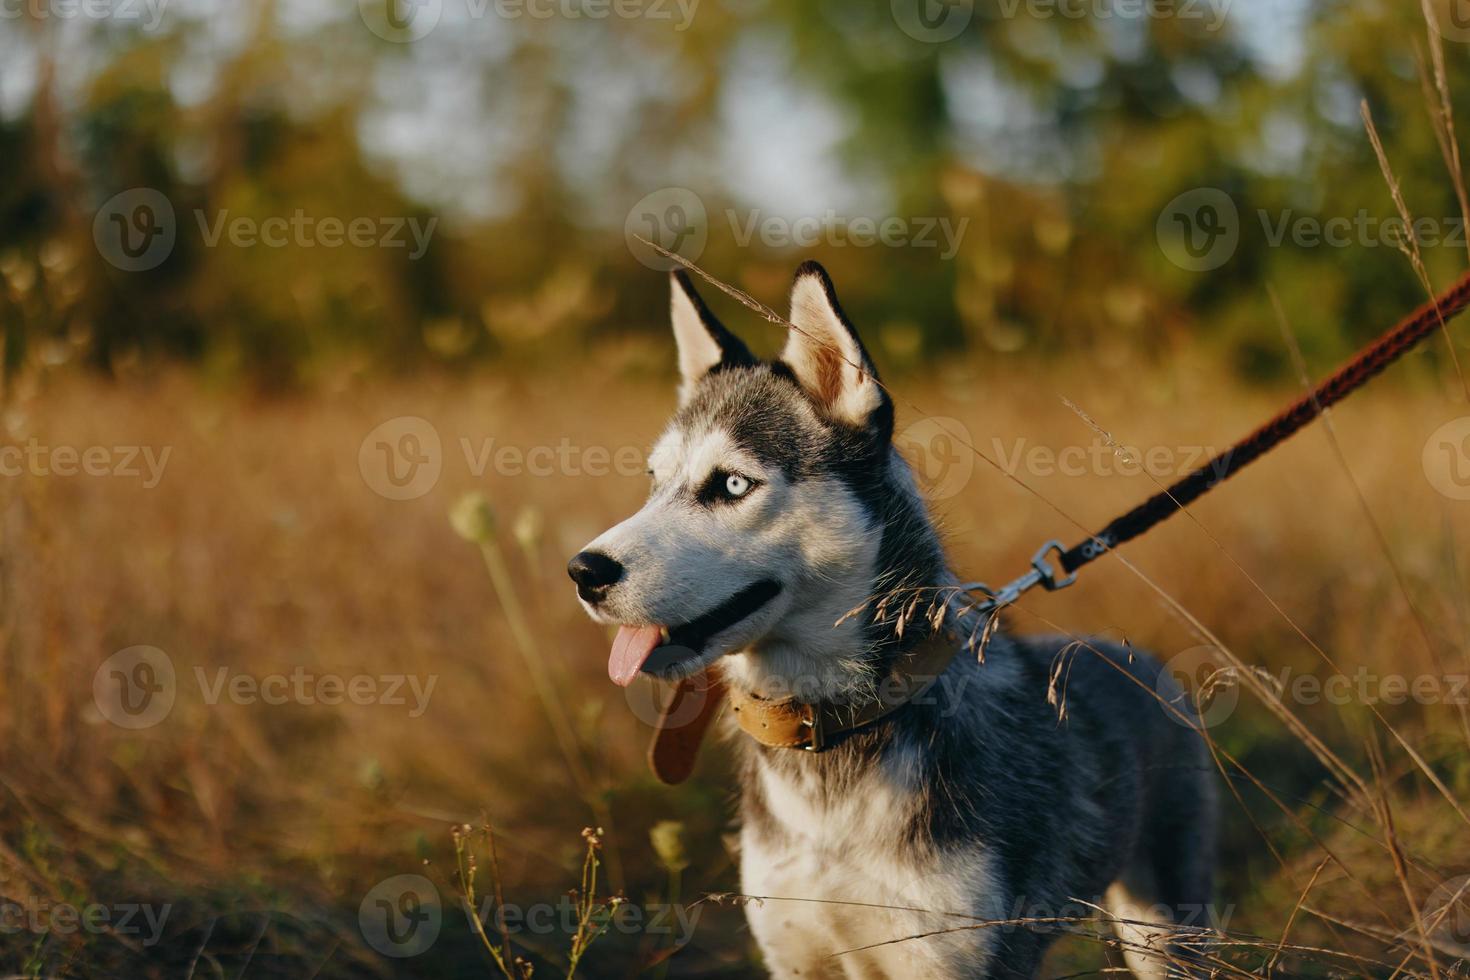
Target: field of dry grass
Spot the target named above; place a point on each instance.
(257, 831)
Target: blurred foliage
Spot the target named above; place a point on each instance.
(527, 140)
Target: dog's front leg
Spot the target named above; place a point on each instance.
(793, 933)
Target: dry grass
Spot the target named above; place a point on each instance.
(263, 550)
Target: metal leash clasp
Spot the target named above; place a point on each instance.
(1045, 574)
(1041, 574)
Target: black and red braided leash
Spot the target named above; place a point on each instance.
(1347, 379)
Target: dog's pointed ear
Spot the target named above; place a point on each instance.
(829, 361)
(704, 343)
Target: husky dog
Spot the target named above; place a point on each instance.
(947, 838)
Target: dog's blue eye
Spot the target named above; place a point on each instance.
(724, 487)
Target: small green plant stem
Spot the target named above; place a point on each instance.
(561, 726)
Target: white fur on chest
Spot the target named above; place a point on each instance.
(844, 885)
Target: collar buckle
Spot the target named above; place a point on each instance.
(812, 721)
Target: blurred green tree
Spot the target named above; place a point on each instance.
(1046, 145)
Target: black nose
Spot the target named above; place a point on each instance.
(593, 572)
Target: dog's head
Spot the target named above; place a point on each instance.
(778, 506)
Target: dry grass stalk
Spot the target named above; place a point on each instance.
(1291, 919)
(1442, 110)
(1299, 362)
(1410, 243)
(1269, 697)
(501, 580)
(1384, 810)
(591, 913)
(1258, 685)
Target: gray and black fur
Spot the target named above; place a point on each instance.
(979, 801)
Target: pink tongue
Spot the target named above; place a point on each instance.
(629, 650)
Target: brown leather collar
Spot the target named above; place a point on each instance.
(787, 724)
